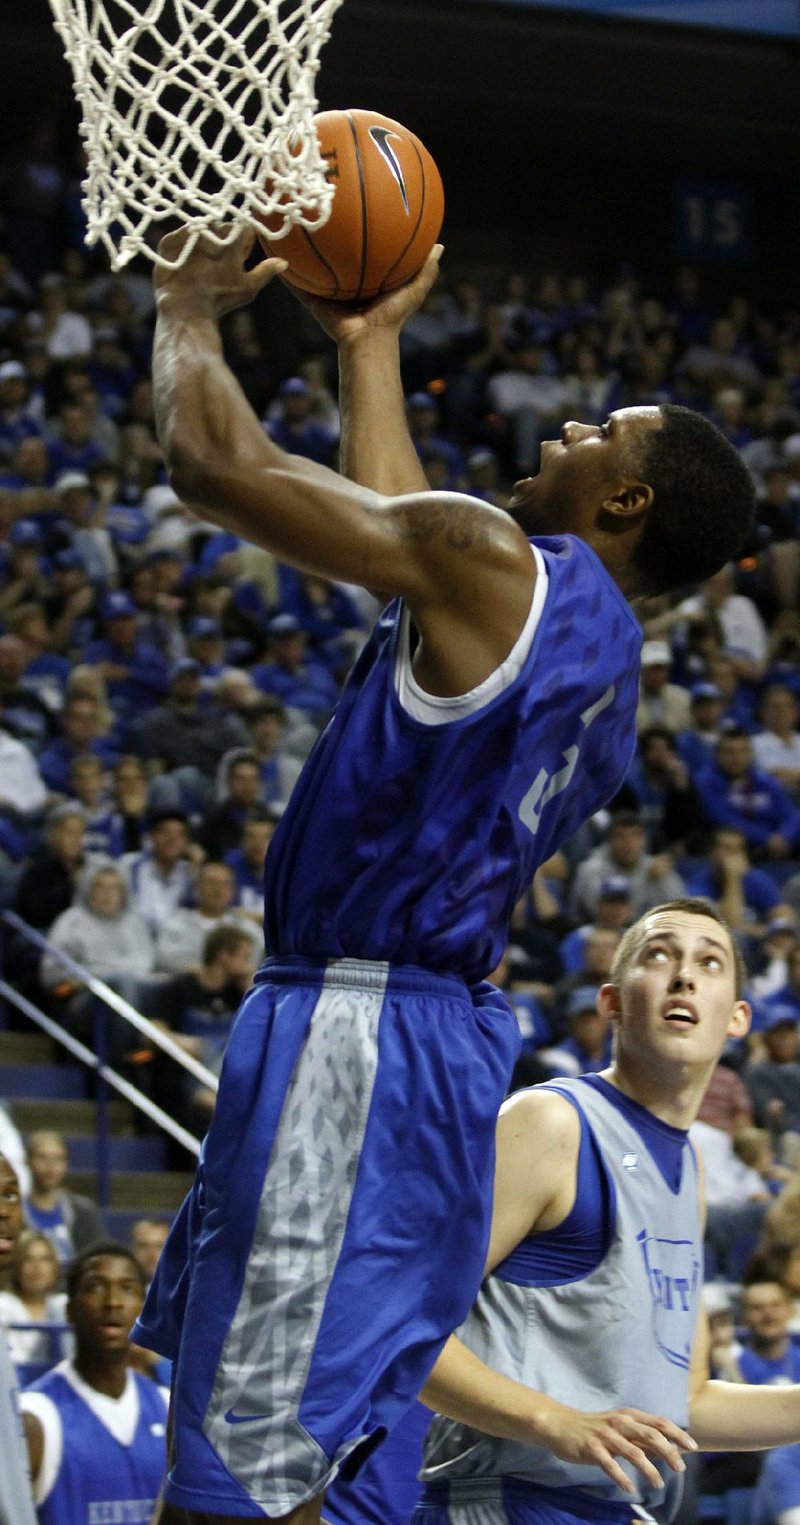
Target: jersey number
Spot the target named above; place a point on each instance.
(546, 786)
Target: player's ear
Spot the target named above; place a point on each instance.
(630, 502)
(741, 1017)
(608, 1002)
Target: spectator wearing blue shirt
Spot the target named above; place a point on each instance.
(326, 612)
(614, 912)
(293, 426)
(695, 745)
(423, 426)
(769, 1356)
(746, 896)
(247, 860)
(587, 1046)
(135, 672)
(205, 643)
(786, 999)
(80, 735)
(74, 449)
(22, 567)
(735, 793)
(45, 671)
(16, 421)
(300, 681)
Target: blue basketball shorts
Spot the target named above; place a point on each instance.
(337, 1227)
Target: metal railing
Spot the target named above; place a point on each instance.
(106, 1076)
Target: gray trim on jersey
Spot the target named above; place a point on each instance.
(300, 1226)
(16, 1504)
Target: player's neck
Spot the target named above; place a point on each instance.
(106, 1374)
(673, 1097)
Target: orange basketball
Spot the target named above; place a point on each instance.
(387, 211)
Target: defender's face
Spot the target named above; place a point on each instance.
(677, 997)
(588, 464)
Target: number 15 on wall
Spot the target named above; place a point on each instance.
(713, 222)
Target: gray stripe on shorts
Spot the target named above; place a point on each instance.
(251, 1419)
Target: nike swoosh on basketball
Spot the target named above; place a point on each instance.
(380, 137)
(231, 1418)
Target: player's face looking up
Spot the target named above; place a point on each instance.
(676, 996)
(590, 466)
(107, 1299)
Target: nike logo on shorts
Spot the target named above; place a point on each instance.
(231, 1418)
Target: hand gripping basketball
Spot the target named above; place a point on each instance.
(387, 211)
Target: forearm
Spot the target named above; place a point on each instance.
(732, 1416)
(376, 447)
(461, 1387)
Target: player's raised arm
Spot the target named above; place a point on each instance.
(465, 567)
(376, 448)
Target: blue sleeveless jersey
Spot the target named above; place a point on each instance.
(410, 841)
(100, 1481)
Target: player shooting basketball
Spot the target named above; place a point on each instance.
(338, 1226)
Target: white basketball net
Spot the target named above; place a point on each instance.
(189, 110)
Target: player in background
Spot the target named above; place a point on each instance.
(96, 1429)
(16, 1506)
(338, 1224)
(591, 1311)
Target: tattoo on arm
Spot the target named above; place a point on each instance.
(461, 527)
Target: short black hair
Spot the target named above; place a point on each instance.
(91, 1252)
(703, 505)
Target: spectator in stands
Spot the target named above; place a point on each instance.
(73, 449)
(80, 731)
(652, 879)
(776, 749)
(70, 1221)
(25, 714)
(95, 1429)
(659, 787)
(587, 1046)
(531, 401)
(32, 1298)
(147, 1242)
(247, 861)
(661, 703)
(240, 790)
(183, 733)
(774, 1082)
(129, 794)
(696, 743)
(17, 422)
(736, 793)
(45, 670)
(726, 1103)
(298, 679)
(770, 957)
(49, 875)
(754, 1147)
(70, 604)
(768, 1354)
(103, 932)
(84, 527)
(742, 626)
(614, 911)
(199, 1007)
(135, 672)
(22, 789)
(27, 480)
(181, 938)
(746, 896)
(24, 579)
(88, 784)
(293, 426)
(161, 876)
(280, 770)
(786, 999)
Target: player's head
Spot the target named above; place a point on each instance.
(11, 1218)
(676, 984)
(658, 492)
(105, 1292)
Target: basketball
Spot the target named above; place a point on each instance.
(386, 216)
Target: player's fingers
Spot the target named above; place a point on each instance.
(667, 1427)
(649, 1439)
(603, 1458)
(264, 272)
(637, 1458)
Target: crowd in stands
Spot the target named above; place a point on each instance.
(161, 681)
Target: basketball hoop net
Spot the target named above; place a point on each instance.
(197, 110)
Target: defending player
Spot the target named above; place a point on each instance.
(592, 1310)
(338, 1225)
